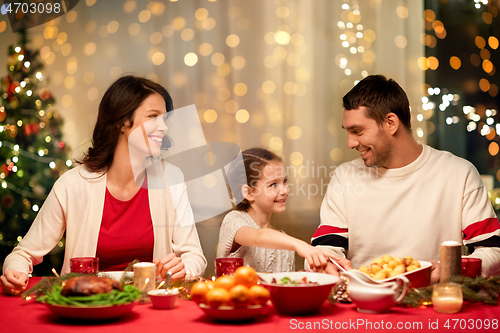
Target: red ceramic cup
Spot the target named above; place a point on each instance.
(85, 265)
(471, 267)
(227, 266)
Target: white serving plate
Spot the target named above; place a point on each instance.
(116, 275)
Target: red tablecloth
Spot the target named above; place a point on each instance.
(20, 316)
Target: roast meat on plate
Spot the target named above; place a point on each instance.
(90, 285)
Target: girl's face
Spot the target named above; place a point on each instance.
(270, 192)
(146, 135)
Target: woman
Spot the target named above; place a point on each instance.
(113, 206)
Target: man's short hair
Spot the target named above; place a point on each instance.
(380, 96)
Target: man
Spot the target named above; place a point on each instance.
(401, 198)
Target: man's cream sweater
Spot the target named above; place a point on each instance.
(369, 212)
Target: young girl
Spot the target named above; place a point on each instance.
(247, 233)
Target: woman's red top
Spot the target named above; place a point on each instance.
(126, 232)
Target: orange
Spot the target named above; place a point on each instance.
(225, 281)
(217, 297)
(246, 276)
(259, 295)
(199, 290)
(240, 296)
(211, 284)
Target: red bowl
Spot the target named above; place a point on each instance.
(299, 299)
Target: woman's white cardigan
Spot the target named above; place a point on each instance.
(75, 206)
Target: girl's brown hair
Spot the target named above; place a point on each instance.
(255, 160)
(117, 107)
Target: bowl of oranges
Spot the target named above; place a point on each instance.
(232, 297)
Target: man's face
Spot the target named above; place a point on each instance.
(367, 137)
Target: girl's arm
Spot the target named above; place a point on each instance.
(272, 239)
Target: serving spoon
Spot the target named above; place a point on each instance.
(367, 279)
(167, 283)
(362, 276)
(337, 264)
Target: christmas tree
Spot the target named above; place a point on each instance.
(32, 152)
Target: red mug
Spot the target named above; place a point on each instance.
(227, 266)
(85, 265)
(471, 267)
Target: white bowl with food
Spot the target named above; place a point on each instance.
(163, 299)
(386, 268)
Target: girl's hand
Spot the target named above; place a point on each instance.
(13, 283)
(317, 258)
(170, 263)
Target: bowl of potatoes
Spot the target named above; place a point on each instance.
(386, 268)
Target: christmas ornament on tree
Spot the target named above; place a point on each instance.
(31, 154)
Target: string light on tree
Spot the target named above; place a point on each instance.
(479, 3)
(29, 162)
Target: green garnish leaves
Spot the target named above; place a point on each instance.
(115, 297)
(285, 280)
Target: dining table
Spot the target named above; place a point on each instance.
(20, 315)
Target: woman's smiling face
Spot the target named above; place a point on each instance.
(146, 134)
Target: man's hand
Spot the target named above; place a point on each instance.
(332, 268)
(13, 283)
(434, 271)
(170, 263)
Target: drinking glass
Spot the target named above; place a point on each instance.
(471, 267)
(85, 265)
(227, 266)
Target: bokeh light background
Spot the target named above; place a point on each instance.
(268, 73)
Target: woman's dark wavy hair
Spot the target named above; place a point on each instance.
(254, 159)
(380, 96)
(117, 107)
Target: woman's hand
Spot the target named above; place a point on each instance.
(13, 283)
(170, 263)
